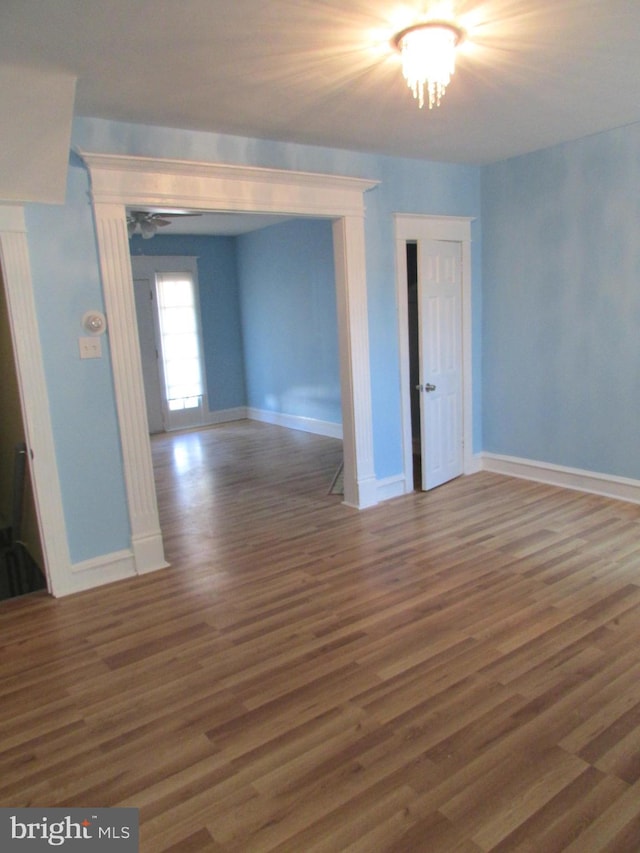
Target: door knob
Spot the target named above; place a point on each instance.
(429, 387)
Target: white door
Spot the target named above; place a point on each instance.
(440, 357)
(170, 341)
(145, 315)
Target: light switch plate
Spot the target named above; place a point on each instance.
(90, 347)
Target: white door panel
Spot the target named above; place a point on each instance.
(147, 269)
(440, 323)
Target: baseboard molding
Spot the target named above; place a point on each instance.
(102, 570)
(473, 464)
(148, 552)
(239, 413)
(391, 487)
(620, 488)
(223, 416)
(312, 425)
(108, 568)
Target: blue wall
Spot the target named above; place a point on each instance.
(556, 304)
(64, 267)
(406, 186)
(219, 307)
(274, 291)
(288, 299)
(561, 303)
(63, 254)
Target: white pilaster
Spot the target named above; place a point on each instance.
(16, 271)
(360, 487)
(115, 265)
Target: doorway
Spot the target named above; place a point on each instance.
(414, 361)
(433, 281)
(118, 182)
(21, 555)
(170, 335)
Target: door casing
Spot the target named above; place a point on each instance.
(119, 181)
(146, 267)
(440, 358)
(414, 228)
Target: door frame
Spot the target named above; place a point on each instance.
(454, 229)
(34, 398)
(119, 181)
(149, 266)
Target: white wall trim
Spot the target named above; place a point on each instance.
(117, 280)
(355, 370)
(16, 273)
(118, 181)
(455, 229)
(223, 416)
(313, 425)
(102, 570)
(476, 464)
(154, 181)
(393, 487)
(620, 488)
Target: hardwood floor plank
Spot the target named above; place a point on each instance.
(615, 829)
(562, 819)
(454, 670)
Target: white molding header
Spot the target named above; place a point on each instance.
(411, 226)
(126, 180)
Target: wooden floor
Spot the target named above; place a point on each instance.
(451, 671)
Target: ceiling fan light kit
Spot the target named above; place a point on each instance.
(146, 222)
(428, 52)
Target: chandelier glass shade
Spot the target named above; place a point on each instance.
(428, 52)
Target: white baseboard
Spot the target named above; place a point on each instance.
(312, 425)
(148, 552)
(105, 569)
(620, 488)
(473, 464)
(99, 571)
(391, 487)
(223, 416)
(239, 413)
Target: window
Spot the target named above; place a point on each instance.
(179, 340)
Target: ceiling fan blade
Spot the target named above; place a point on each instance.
(146, 222)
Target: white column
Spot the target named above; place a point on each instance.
(115, 264)
(360, 489)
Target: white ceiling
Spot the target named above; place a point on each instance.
(530, 74)
(219, 224)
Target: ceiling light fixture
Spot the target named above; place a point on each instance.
(428, 53)
(146, 222)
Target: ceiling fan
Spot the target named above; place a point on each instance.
(146, 223)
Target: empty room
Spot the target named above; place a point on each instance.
(319, 450)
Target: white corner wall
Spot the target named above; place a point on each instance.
(37, 113)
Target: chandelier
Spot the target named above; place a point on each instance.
(428, 52)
